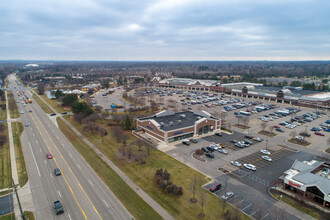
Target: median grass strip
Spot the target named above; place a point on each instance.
(5, 165)
(13, 110)
(53, 103)
(42, 104)
(297, 205)
(10, 216)
(143, 175)
(134, 203)
(17, 128)
(29, 215)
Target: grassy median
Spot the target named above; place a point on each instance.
(5, 165)
(143, 175)
(29, 215)
(42, 104)
(53, 103)
(13, 110)
(10, 216)
(133, 202)
(17, 128)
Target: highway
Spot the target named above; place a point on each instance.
(81, 191)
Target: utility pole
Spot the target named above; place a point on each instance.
(19, 203)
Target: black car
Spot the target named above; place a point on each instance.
(210, 155)
(186, 143)
(248, 136)
(305, 134)
(52, 114)
(210, 148)
(193, 140)
(205, 149)
(234, 141)
(57, 172)
(218, 134)
(64, 113)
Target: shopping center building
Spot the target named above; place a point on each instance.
(310, 180)
(169, 126)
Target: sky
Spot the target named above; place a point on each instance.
(165, 30)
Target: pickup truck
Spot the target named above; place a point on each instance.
(58, 208)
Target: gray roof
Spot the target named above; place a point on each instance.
(169, 120)
(307, 178)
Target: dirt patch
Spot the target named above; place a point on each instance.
(299, 142)
(267, 133)
(241, 126)
(198, 157)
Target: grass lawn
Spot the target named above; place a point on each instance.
(328, 150)
(143, 175)
(297, 205)
(12, 104)
(53, 103)
(3, 113)
(5, 166)
(42, 104)
(29, 215)
(3, 193)
(10, 216)
(20, 162)
(135, 205)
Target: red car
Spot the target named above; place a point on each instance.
(49, 156)
(215, 187)
(276, 126)
(318, 133)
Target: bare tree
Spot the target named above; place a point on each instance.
(263, 125)
(271, 129)
(98, 108)
(293, 134)
(3, 139)
(223, 204)
(149, 147)
(118, 133)
(103, 116)
(129, 151)
(78, 117)
(102, 132)
(194, 185)
(203, 201)
(139, 143)
(41, 88)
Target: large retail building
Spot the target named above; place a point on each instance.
(168, 126)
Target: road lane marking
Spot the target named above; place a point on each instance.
(238, 202)
(69, 216)
(45, 161)
(68, 168)
(265, 216)
(37, 141)
(35, 160)
(90, 182)
(70, 154)
(57, 137)
(78, 166)
(40, 151)
(254, 212)
(51, 175)
(247, 206)
(75, 198)
(33, 134)
(59, 193)
(105, 203)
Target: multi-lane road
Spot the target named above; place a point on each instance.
(81, 191)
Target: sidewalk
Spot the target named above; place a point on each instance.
(150, 201)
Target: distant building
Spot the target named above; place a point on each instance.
(310, 180)
(168, 126)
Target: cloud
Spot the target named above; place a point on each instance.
(164, 29)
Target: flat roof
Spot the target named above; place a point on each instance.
(168, 120)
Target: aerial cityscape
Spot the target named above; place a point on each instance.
(168, 110)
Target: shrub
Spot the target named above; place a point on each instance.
(168, 189)
(199, 152)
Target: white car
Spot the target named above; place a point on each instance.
(228, 195)
(250, 166)
(236, 163)
(22, 112)
(299, 138)
(257, 139)
(265, 152)
(223, 110)
(266, 158)
(221, 150)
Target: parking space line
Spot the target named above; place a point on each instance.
(254, 212)
(238, 202)
(246, 207)
(265, 216)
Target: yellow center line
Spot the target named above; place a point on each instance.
(59, 167)
(70, 169)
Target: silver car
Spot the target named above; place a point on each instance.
(236, 163)
(221, 150)
(250, 166)
(227, 195)
(266, 158)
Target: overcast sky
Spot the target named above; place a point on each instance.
(172, 30)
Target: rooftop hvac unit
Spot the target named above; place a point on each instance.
(179, 121)
(171, 123)
(197, 118)
(182, 116)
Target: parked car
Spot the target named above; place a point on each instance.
(276, 126)
(305, 134)
(227, 195)
(26, 124)
(236, 163)
(186, 142)
(210, 155)
(205, 149)
(257, 139)
(319, 133)
(218, 134)
(234, 141)
(250, 167)
(279, 129)
(248, 142)
(193, 140)
(52, 114)
(215, 187)
(221, 150)
(265, 152)
(248, 136)
(266, 158)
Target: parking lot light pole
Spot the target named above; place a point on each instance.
(306, 126)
